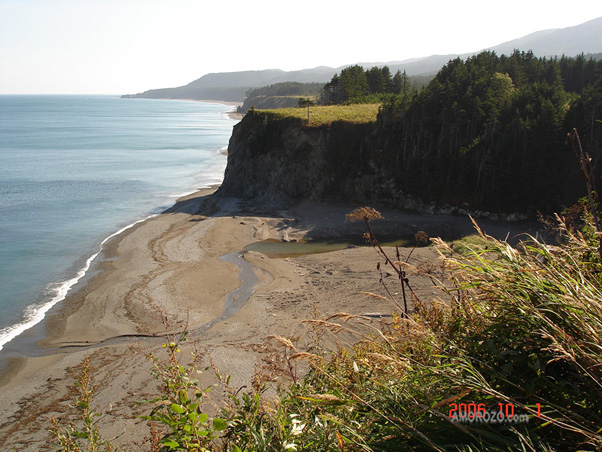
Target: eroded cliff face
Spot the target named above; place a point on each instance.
(279, 161)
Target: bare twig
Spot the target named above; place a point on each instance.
(367, 214)
(585, 163)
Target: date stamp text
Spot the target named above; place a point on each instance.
(479, 413)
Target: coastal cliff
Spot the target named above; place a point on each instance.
(499, 151)
(279, 160)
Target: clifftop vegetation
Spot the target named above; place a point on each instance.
(487, 133)
(323, 115)
(490, 132)
(280, 95)
(356, 85)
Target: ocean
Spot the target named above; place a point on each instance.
(76, 170)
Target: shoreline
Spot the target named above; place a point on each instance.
(54, 289)
(68, 287)
(113, 304)
(64, 287)
(231, 114)
(172, 264)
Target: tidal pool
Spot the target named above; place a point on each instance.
(278, 249)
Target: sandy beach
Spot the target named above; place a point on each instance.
(188, 265)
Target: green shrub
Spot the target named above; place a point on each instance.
(179, 408)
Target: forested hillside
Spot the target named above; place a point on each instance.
(490, 132)
(357, 85)
(486, 134)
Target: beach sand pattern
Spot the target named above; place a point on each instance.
(173, 264)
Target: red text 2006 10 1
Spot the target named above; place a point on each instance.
(473, 412)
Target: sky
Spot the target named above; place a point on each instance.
(129, 46)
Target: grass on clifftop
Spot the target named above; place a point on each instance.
(325, 115)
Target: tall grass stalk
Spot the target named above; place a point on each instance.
(522, 328)
(85, 434)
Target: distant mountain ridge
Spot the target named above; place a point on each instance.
(232, 86)
(585, 38)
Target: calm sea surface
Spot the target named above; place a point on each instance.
(76, 169)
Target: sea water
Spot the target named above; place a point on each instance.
(75, 170)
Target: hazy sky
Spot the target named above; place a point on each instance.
(128, 46)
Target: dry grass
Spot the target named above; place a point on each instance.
(522, 328)
(320, 116)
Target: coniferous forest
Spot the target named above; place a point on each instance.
(486, 133)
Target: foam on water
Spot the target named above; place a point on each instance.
(34, 314)
(73, 169)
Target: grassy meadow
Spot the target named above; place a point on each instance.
(320, 116)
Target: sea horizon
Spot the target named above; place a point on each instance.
(77, 170)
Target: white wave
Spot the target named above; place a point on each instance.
(192, 190)
(207, 180)
(35, 314)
